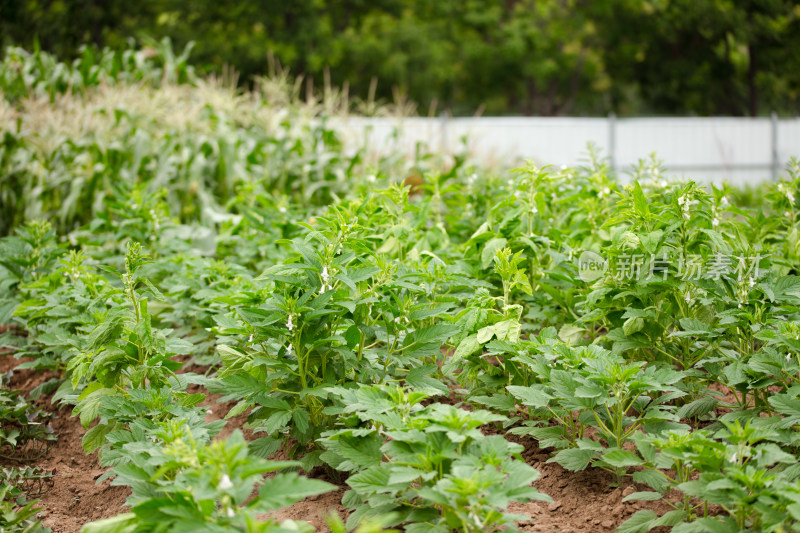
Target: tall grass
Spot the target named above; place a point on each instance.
(72, 133)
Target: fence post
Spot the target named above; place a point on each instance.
(443, 125)
(774, 141)
(612, 141)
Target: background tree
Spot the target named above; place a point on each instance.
(532, 57)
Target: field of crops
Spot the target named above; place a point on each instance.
(216, 317)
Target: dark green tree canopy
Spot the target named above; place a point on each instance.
(533, 57)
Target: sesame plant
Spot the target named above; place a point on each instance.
(176, 250)
(430, 467)
(180, 482)
(17, 514)
(25, 433)
(600, 391)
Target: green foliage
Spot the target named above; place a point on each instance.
(25, 433)
(335, 301)
(526, 57)
(17, 515)
(435, 472)
(181, 484)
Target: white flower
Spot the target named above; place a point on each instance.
(324, 275)
(790, 197)
(782, 187)
(606, 191)
(751, 282)
(733, 458)
(686, 204)
(788, 356)
(534, 210)
(787, 214)
(688, 298)
(209, 412)
(715, 222)
(371, 178)
(230, 512)
(225, 483)
(289, 324)
(289, 350)
(724, 201)
(251, 338)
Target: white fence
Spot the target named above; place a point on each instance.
(735, 150)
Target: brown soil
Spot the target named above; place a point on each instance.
(582, 501)
(76, 498)
(314, 510)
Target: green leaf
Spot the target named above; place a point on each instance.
(533, 396)
(284, 489)
(640, 522)
(787, 288)
(238, 409)
(276, 422)
(428, 338)
(301, 420)
(633, 325)
(362, 452)
(640, 201)
(671, 518)
(264, 447)
(89, 404)
(95, 437)
(785, 404)
(725, 524)
(371, 481)
(571, 333)
(498, 402)
(574, 459)
(467, 347)
(420, 379)
(122, 523)
(649, 496)
(352, 336)
(621, 458)
(490, 250)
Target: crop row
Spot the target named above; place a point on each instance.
(392, 336)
